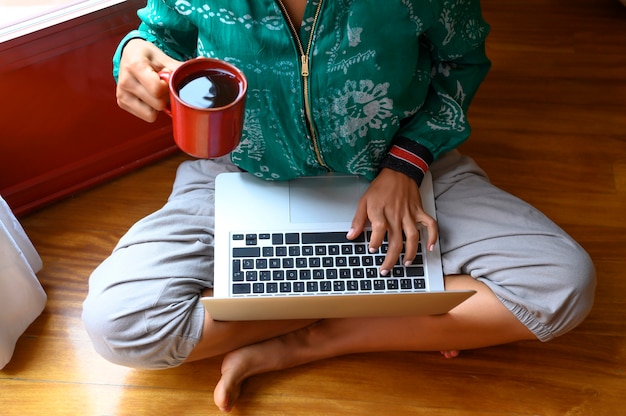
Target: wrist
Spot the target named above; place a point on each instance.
(408, 157)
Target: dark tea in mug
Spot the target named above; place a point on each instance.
(211, 88)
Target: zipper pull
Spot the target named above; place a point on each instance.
(305, 65)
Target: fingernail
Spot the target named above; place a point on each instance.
(373, 250)
(384, 272)
(431, 247)
(407, 263)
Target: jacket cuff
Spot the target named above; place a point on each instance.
(408, 157)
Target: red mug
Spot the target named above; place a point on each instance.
(207, 103)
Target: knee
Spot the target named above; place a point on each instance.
(573, 292)
(126, 336)
(549, 291)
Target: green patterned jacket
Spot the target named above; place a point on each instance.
(360, 85)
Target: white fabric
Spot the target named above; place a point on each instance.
(22, 299)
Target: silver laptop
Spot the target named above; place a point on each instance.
(281, 253)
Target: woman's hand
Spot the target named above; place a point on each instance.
(393, 205)
(140, 91)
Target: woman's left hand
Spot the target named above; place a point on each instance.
(393, 205)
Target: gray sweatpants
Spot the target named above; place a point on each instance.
(142, 309)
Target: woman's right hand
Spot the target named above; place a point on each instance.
(140, 90)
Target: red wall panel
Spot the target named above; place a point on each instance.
(60, 128)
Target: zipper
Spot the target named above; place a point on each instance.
(305, 72)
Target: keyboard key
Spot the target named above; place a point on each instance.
(268, 251)
(271, 288)
(238, 237)
(258, 288)
(379, 285)
(397, 272)
(298, 287)
(277, 239)
(328, 237)
(339, 286)
(278, 275)
(419, 283)
(352, 285)
(274, 263)
(285, 287)
(414, 271)
(241, 288)
(392, 284)
(239, 252)
(251, 239)
(365, 284)
(265, 276)
(247, 264)
(312, 286)
(326, 286)
(307, 250)
(292, 238)
(281, 251)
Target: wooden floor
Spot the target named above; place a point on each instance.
(549, 126)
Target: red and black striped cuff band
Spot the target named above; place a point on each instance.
(408, 157)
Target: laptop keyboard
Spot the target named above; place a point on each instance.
(311, 263)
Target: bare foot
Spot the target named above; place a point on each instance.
(228, 389)
(450, 354)
(274, 354)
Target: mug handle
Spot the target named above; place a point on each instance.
(165, 76)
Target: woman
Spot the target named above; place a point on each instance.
(379, 89)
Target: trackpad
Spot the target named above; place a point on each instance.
(325, 198)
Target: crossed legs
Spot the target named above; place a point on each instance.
(258, 347)
(532, 282)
